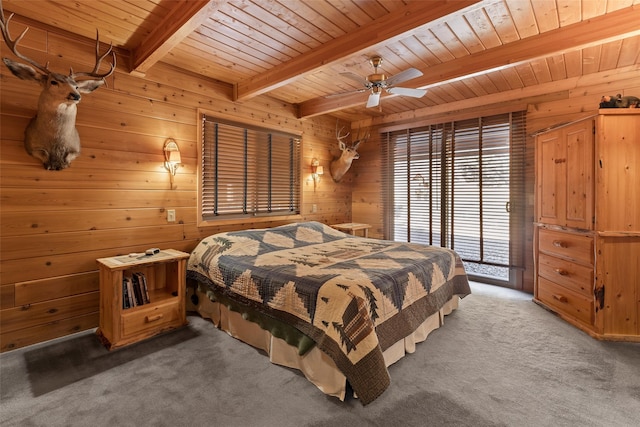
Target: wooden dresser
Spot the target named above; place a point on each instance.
(587, 234)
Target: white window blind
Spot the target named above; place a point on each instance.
(248, 171)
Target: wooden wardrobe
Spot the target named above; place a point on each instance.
(587, 230)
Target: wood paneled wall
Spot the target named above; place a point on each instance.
(542, 112)
(113, 199)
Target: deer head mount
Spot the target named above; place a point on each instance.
(51, 135)
(341, 165)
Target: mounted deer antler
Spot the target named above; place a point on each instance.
(51, 135)
(341, 165)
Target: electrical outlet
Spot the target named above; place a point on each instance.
(171, 215)
(314, 208)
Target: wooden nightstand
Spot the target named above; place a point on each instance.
(352, 227)
(123, 323)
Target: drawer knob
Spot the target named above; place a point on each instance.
(560, 244)
(562, 272)
(154, 318)
(560, 298)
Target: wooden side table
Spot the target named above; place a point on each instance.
(352, 227)
(163, 305)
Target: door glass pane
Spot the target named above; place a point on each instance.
(450, 185)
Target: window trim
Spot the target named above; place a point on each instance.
(200, 220)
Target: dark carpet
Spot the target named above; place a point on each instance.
(500, 360)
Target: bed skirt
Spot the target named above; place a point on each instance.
(316, 366)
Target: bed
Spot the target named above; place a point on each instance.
(338, 307)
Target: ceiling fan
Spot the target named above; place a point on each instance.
(376, 82)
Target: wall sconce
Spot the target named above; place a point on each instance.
(316, 171)
(172, 158)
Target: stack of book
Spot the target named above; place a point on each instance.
(134, 291)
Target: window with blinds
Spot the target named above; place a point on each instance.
(461, 185)
(248, 171)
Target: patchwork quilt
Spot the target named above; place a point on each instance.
(353, 296)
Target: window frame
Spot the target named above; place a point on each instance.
(445, 156)
(249, 217)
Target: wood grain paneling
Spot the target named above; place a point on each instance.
(53, 288)
(38, 222)
(297, 50)
(30, 315)
(621, 312)
(46, 331)
(113, 199)
(7, 296)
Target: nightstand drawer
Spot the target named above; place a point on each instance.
(574, 276)
(574, 246)
(150, 319)
(565, 301)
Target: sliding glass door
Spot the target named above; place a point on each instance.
(460, 185)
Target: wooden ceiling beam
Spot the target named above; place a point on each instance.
(523, 96)
(185, 17)
(606, 28)
(385, 29)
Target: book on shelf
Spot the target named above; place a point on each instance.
(144, 290)
(125, 294)
(135, 291)
(128, 300)
(132, 296)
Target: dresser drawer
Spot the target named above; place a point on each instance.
(574, 246)
(574, 276)
(565, 301)
(150, 319)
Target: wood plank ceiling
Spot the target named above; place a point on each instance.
(296, 50)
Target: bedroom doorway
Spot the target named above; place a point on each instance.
(461, 185)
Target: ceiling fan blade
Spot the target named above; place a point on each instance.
(374, 100)
(357, 78)
(405, 91)
(403, 76)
